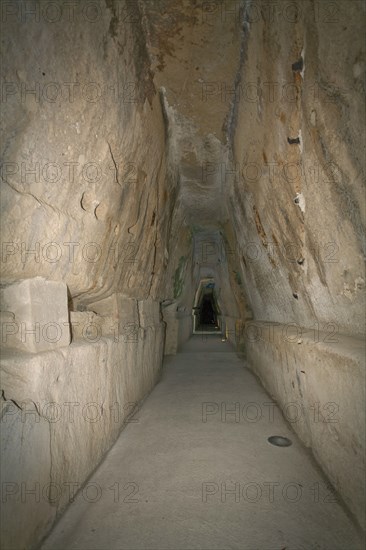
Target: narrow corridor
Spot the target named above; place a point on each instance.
(182, 275)
(193, 470)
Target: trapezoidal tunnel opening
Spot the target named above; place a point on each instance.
(206, 311)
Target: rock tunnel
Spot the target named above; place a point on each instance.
(182, 274)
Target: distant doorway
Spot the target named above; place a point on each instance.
(206, 312)
(208, 316)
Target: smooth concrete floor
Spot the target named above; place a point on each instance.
(187, 474)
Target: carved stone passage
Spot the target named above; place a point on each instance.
(159, 157)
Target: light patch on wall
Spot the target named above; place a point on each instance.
(300, 144)
(302, 72)
(300, 201)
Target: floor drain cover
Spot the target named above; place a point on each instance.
(280, 441)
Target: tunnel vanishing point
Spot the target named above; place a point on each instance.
(182, 274)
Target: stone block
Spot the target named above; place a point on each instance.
(34, 315)
(121, 309)
(149, 313)
(106, 306)
(90, 327)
